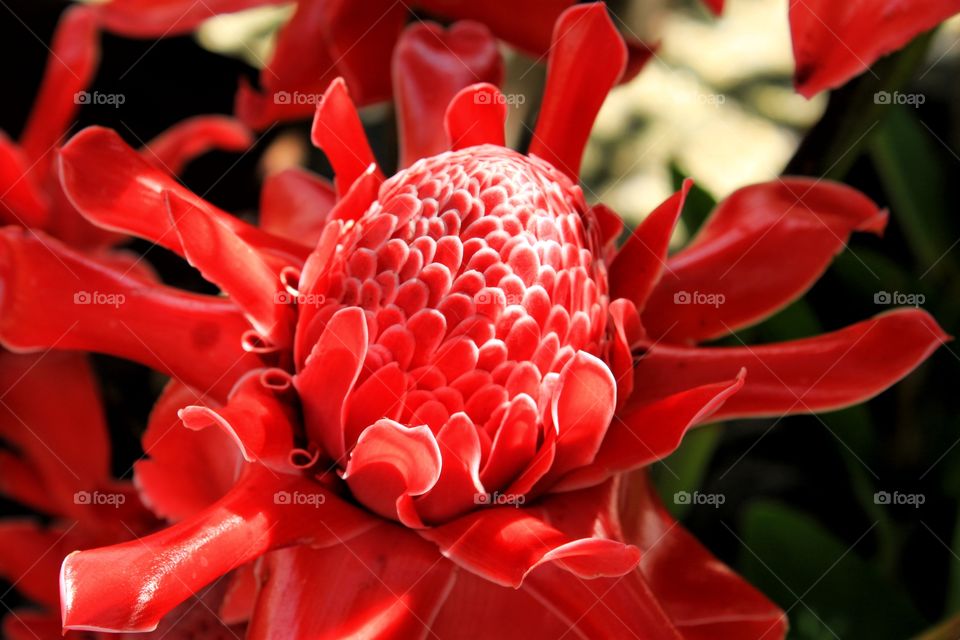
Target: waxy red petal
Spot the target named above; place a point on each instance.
(430, 66)
(826, 372)
(257, 419)
(475, 116)
(173, 149)
(328, 377)
(458, 487)
(390, 465)
(225, 259)
(353, 590)
(762, 248)
(130, 586)
(114, 187)
(675, 566)
(337, 130)
(295, 204)
(86, 305)
(650, 431)
(577, 87)
(639, 265)
(505, 544)
(184, 471)
(832, 42)
(75, 54)
(23, 202)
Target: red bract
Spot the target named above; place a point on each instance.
(834, 41)
(31, 193)
(58, 464)
(353, 40)
(437, 381)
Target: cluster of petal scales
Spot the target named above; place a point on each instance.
(479, 280)
(479, 277)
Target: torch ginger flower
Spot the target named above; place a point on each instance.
(437, 399)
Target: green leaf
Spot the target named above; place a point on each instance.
(686, 467)
(820, 580)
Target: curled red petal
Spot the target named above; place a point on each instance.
(386, 583)
(130, 586)
(476, 115)
(650, 431)
(587, 58)
(184, 471)
(826, 372)
(75, 54)
(514, 444)
(430, 66)
(328, 377)
(832, 42)
(240, 271)
(639, 264)
(295, 204)
(114, 187)
(337, 130)
(173, 149)
(458, 486)
(722, 280)
(391, 464)
(505, 544)
(86, 305)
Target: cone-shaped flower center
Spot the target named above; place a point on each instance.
(477, 272)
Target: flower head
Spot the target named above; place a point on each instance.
(436, 381)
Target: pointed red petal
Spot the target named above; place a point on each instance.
(329, 375)
(295, 204)
(75, 54)
(832, 42)
(387, 583)
(153, 19)
(826, 372)
(223, 258)
(130, 586)
(730, 258)
(646, 432)
(114, 187)
(430, 66)
(88, 306)
(173, 149)
(337, 130)
(639, 264)
(476, 115)
(587, 58)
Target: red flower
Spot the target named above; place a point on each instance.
(354, 40)
(31, 193)
(437, 383)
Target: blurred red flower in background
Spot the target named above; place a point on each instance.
(425, 390)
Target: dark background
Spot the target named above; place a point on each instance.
(799, 518)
